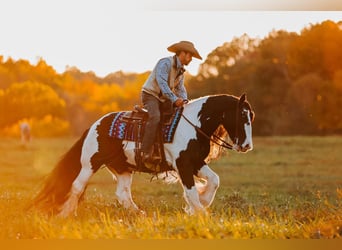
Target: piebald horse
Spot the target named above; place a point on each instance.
(207, 122)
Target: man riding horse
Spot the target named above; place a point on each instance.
(165, 88)
(189, 145)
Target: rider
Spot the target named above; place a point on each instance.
(165, 84)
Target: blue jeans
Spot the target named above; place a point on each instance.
(150, 103)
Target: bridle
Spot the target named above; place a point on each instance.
(214, 138)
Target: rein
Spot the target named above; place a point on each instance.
(216, 139)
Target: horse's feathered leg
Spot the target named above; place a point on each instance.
(77, 189)
(123, 189)
(90, 165)
(199, 195)
(194, 205)
(207, 191)
(191, 195)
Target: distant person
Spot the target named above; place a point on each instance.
(25, 132)
(165, 85)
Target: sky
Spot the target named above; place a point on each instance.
(106, 36)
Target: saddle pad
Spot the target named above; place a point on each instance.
(128, 130)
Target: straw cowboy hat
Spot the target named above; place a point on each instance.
(184, 46)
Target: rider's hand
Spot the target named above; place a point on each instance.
(179, 102)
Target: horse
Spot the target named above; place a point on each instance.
(206, 123)
(25, 133)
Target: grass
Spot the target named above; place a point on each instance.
(286, 188)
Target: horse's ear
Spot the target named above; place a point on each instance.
(243, 98)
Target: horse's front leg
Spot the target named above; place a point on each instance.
(208, 189)
(192, 199)
(191, 194)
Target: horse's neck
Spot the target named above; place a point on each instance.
(208, 118)
(193, 108)
(192, 112)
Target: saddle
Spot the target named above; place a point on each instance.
(130, 126)
(139, 114)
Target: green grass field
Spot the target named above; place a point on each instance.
(286, 188)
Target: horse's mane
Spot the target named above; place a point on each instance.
(215, 149)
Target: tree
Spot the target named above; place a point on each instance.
(216, 72)
(30, 100)
(317, 50)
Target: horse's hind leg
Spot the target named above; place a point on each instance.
(123, 189)
(78, 186)
(77, 189)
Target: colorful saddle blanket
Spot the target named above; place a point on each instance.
(130, 126)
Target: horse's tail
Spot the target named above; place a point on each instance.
(58, 183)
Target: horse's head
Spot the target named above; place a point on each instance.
(239, 125)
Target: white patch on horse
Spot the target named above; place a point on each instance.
(248, 131)
(129, 151)
(208, 189)
(123, 191)
(192, 199)
(184, 133)
(69, 207)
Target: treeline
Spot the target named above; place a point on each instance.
(293, 81)
(60, 104)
